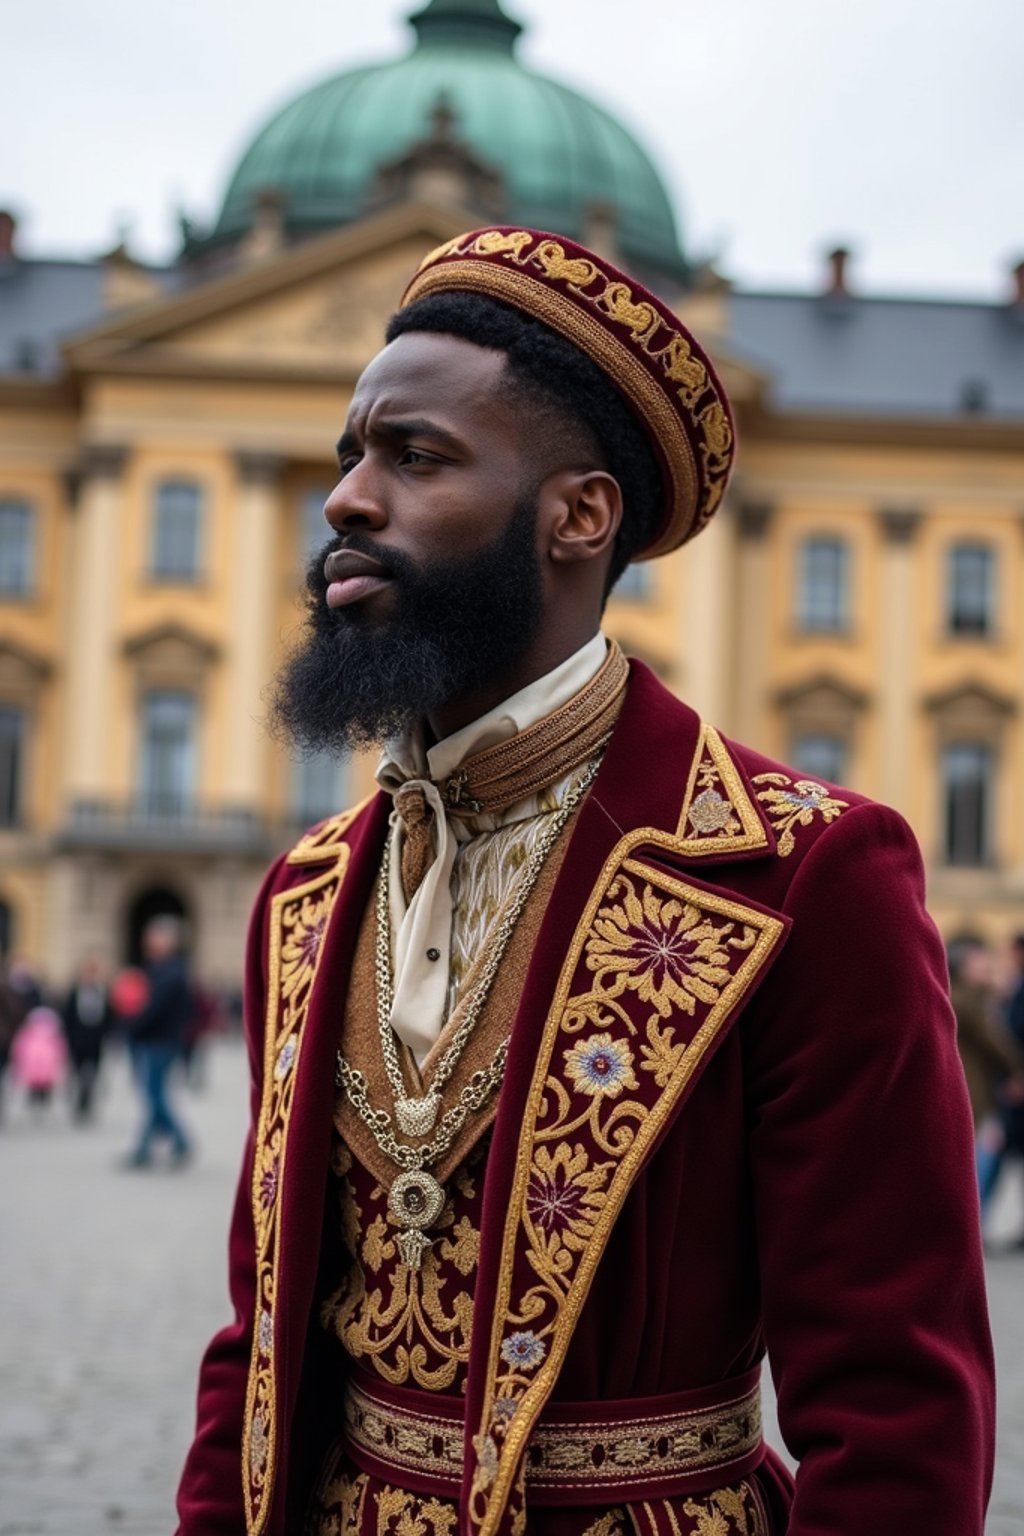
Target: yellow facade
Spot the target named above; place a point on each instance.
(239, 388)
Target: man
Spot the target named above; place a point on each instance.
(594, 1052)
(157, 1032)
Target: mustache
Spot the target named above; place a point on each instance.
(393, 563)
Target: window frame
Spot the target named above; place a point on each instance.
(952, 855)
(12, 794)
(171, 573)
(960, 630)
(27, 586)
(154, 804)
(842, 757)
(809, 620)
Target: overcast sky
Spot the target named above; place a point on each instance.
(781, 126)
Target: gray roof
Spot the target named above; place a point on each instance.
(41, 301)
(887, 357)
(882, 357)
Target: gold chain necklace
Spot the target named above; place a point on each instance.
(416, 1199)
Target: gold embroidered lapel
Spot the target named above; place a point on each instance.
(299, 920)
(324, 843)
(656, 969)
(718, 814)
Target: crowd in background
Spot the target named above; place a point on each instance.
(987, 991)
(53, 1045)
(162, 1017)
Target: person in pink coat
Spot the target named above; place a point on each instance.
(39, 1055)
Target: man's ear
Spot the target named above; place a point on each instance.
(583, 512)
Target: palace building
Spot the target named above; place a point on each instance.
(166, 446)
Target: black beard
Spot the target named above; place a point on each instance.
(458, 624)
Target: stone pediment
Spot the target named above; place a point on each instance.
(313, 310)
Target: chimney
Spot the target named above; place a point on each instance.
(266, 235)
(835, 275)
(8, 230)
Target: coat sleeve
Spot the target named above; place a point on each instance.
(867, 1212)
(210, 1500)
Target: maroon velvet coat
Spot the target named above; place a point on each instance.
(751, 952)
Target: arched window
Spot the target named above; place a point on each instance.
(970, 590)
(823, 599)
(167, 764)
(177, 510)
(968, 770)
(17, 548)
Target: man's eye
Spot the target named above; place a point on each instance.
(348, 462)
(417, 456)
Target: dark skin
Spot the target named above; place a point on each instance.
(433, 456)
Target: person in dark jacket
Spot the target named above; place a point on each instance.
(88, 1019)
(157, 1032)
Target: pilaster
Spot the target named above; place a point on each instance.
(96, 533)
(753, 528)
(899, 529)
(256, 518)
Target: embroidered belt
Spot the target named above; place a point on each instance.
(578, 1453)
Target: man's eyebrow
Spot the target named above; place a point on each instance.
(412, 426)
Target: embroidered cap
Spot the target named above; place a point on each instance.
(645, 350)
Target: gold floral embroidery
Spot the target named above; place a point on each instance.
(718, 815)
(651, 948)
(613, 1523)
(411, 1326)
(667, 951)
(298, 923)
(405, 1514)
(339, 1501)
(726, 1512)
(795, 803)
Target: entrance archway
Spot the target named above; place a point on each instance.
(153, 901)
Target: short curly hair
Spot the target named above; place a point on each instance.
(583, 409)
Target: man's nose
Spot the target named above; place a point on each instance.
(354, 503)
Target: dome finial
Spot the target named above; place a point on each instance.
(465, 23)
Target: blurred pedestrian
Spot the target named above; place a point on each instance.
(39, 1055)
(157, 1031)
(88, 1017)
(993, 1062)
(12, 1012)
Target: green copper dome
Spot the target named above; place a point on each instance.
(559, 156)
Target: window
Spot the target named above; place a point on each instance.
(168, 753)
(12, 764)
(315, 529)
(820, 756)
(967, 773)
(176, 515)
(17, 553)
(634, 584)
(970, 590)
(319, 787)
(822, 604)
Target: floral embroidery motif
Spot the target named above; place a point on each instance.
(795, 804)
(726, 1512)
(667, 951)
(411, 1326)
(655, 969)
(524, 1350)
(718, 815)
(600, 1066)
(298, 923)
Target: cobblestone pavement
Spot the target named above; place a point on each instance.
(114, 1281)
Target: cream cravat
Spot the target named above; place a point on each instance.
(421, 927)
